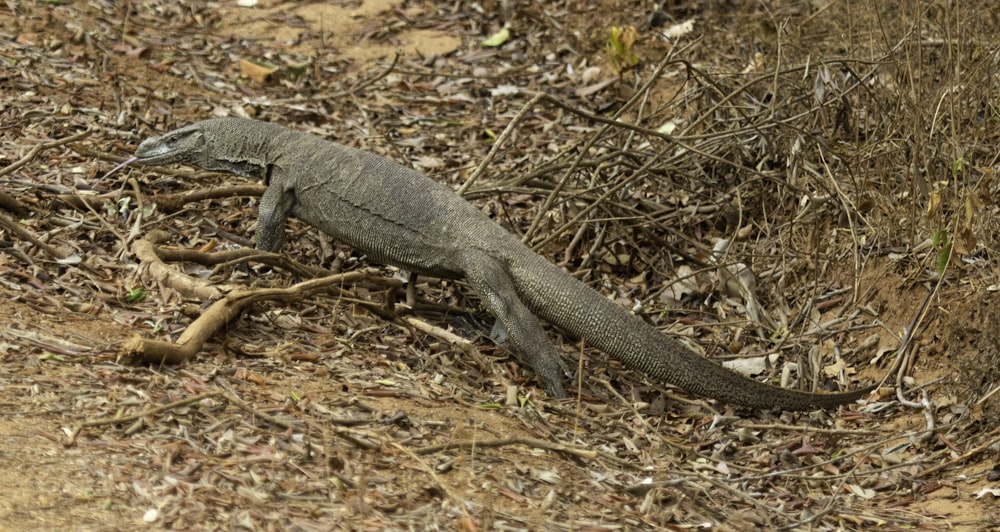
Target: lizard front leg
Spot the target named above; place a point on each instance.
(275, 206)
(491, 280)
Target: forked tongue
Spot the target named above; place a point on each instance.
(124, 163)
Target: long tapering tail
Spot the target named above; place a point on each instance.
(581, 312)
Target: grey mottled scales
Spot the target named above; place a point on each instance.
(401, 217)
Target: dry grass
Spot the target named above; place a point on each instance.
(846, 151)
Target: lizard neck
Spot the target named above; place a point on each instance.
(243, 147)
(246, 168)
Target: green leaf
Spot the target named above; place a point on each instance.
(939, 238)
(619, 47)
(957, 166)
(497, 39)
(136, 295)
(667, 128)
(296, 71)
(123, 205)
(944, 253)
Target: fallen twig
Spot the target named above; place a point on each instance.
(221, 259)
(466, 346)
(139, 415)
(25, 234)
(456, 498)
(339, 94)
(37, 148)
(174, 202)
(965, 456)
(499, 142)
(346, 435)
(145, 250)
(517, 440)
(226, 309)
(10, 204)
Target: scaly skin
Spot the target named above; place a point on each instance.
(401, 217)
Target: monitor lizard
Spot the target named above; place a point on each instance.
(401, 217)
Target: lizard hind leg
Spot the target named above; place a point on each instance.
(524, 334)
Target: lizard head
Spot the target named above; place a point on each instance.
(180, 145)
(235, 145)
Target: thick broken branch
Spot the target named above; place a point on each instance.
(145, 250)
(229, 307)
(230, 256)
(174, 202)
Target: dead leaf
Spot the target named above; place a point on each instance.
(261, 73)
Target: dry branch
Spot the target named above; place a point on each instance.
(174, 202)
(10, 204)
(229, 305)
(518, 440)
(231, 256)
(466, 346)
(37, 148)
(327, 96)
(139, 415)
(145, 250)
(88, 202)
(226, 309)
(24, 233)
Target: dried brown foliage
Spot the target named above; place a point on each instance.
(846, 150)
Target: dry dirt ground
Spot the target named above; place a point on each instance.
(847, 150)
